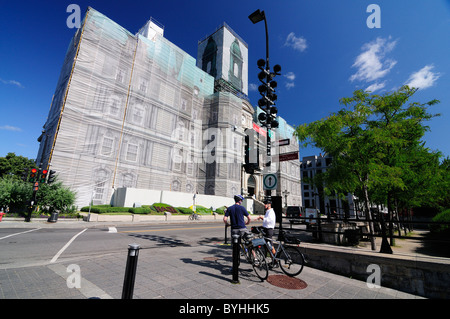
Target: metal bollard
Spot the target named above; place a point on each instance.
(130, 271)
(236, 239)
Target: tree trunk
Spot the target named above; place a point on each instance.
(369, 218)
(390, 218)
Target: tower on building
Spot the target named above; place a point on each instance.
(224, 55)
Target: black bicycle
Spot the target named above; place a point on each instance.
(287, 256)
(253, 250)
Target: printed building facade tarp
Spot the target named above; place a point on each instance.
(132, 111)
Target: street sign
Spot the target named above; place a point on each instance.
(270, 181)
(282, 142)
(288, 156)
(260, 130)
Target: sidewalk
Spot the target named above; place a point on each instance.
(201, 271)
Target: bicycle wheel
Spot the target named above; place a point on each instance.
(259, 263)
(291, 260)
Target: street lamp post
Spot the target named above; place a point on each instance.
(285, 193)
(267, 89)
(256, 17)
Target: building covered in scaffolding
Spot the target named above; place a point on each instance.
(136, 111)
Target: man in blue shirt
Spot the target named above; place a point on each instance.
(236, 214)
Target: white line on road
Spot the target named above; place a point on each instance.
(66, 245)
(20, 233)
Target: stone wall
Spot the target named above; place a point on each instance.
(427, 277)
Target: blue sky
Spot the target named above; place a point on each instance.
(325, 48)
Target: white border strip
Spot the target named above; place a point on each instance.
(66, 245)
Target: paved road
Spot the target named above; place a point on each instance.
(182, 261)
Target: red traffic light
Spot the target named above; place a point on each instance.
(33, 175)
(43, 177)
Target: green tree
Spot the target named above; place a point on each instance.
(14, 194)
(14, 165)
(371, 141)
(55, 197)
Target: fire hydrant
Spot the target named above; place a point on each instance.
(1, 215)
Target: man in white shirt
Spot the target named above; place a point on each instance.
(268, 220)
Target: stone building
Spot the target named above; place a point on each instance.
(136, 111)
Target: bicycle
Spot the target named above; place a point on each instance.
(194, 216)
(253, 252)
(289, 258)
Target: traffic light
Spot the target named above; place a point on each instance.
(268, 96)
(251, 149)
(25, 174)
(247, 152)
(33, 175)
(43, 177)
(51, 176)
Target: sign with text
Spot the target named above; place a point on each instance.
(288, 157)
(282, 142)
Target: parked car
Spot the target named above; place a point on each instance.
(294, 213)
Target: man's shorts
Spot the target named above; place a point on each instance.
(242, 232)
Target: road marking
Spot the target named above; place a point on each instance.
(163, 229)
(88, 289)
(66, 245)
(112, 230)
(20, 233)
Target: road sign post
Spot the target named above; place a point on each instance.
(270, 181)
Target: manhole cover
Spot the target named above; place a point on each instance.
(211, 258)
(286, 282)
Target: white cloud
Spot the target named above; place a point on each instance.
(290, 76)
(424, 78)
(12, 82)
(372, 63)
(10, 128)
(252, 87)
(290, 85)
(297, 43)
(375, 87)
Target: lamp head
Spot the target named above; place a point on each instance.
(257, 16)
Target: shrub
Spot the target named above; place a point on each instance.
(94, 207)
(140, 210)
(221, 210)
(55, 197)
(185, 210)
(202, 210)
(102, 209)
(442, 217)
(161, 207)
(14, 194)
(152, 209)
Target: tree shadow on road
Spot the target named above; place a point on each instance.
(162, 240)
(218, 263)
